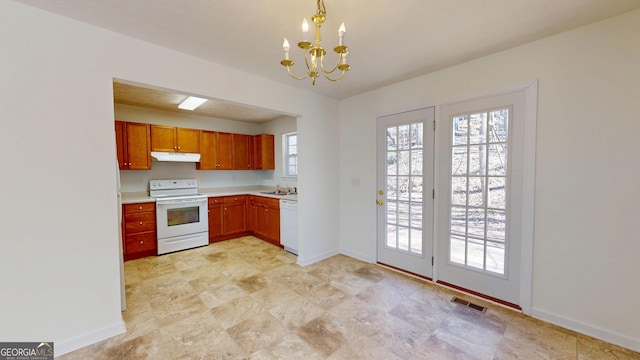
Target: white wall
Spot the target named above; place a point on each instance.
(586, 243)
(59, 260)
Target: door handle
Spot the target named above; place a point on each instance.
(379, 202)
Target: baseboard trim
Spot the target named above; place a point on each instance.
(90, 338)
(357, 256)
(586, 329)
(315, 259)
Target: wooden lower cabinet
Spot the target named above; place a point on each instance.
(264, 218)
(227, 217)
(139, 230)
(215, 219)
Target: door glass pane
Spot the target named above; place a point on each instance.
(478, 128)
(405, 158)
(416, 241)
(477, 160)
(459, 191)
(392, 187)
(416, 215)
(497, 193)
(416, 162)
(403, 238)
(460, 125)
(392, 236)
(404, 137)
(392, 138)
(459, 160)
(403, 213)
(478, 195)
(392, 212)
(498, 125)
(495, 257)
(498, 159)
(476, 191)
(416, 189)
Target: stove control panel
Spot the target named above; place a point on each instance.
(173, 184)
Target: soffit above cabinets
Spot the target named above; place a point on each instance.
(168, 101)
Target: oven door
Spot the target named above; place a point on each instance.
(181, 217)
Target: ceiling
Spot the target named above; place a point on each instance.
(164, 100)
(388, 41)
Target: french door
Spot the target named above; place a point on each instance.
(481, 202)
(405, 155)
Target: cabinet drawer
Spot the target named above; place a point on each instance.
(140, 242)
(140, 207)
(139, 222)
(234, 199)
(267, 201)
(215, 200)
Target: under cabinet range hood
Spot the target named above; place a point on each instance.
(175, 156)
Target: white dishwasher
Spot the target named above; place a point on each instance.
(289, 225)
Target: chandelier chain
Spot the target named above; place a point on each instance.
(321, 9)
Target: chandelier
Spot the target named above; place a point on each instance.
(313, 51)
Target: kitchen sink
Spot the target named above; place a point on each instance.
(276, 193)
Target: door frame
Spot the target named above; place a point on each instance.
(528, 195)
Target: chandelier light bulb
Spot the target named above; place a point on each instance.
(305, 29)
(285, 45)
(341, 32)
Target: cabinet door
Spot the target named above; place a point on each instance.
(241, 151)
(163, 138)
(264, 152)
(138, 146)
(235, 218)
(252, 217)
(262, 220)
(273, 230)
(216, 214)
(121, 145)
(207, 151)
(188, 140)
(224, 151)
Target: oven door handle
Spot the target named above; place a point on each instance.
(169, 202)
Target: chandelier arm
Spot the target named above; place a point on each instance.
(296, 77)
(324, 71)
(344, 72)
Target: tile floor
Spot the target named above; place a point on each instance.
(247, 299)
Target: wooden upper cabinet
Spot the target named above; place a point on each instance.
(264, 158)
(242, 152)
(225, 151)
(188, 140)
(173, 139)
(133, 143)
(216, 151)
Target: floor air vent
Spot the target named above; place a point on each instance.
(470, 305)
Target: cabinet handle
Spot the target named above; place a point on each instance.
(140, 222)
(141, 242)
(225, 209)
(178, 147)
(139, 207)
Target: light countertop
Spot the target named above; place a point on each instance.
(143, 196)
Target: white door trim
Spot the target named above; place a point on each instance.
(528, 187)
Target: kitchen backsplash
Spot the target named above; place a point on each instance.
(138, 180)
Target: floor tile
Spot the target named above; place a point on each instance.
(248, 299)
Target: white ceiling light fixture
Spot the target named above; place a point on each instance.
(314, 51)
(191, 103)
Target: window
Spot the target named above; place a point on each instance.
(290, 151)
